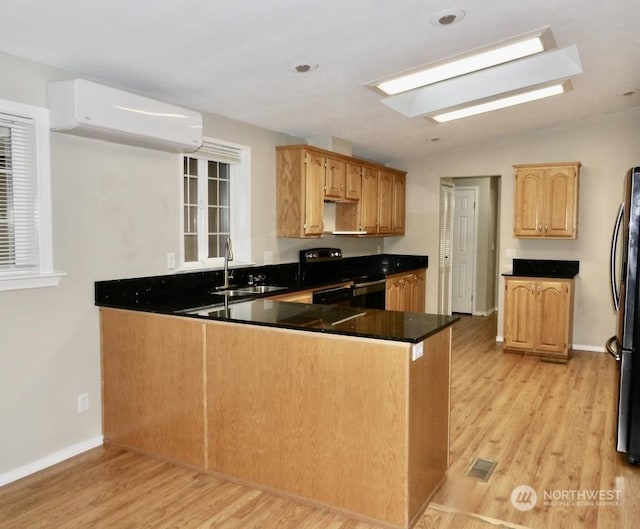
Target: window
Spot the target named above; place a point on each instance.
(25, 208)
(214, 181)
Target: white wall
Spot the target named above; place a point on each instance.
(607, 146)
(116, 212)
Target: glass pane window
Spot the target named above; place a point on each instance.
(207, 208)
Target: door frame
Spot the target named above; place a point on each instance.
(444, 282)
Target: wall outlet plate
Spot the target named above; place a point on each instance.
(83, 402)
(417, 351)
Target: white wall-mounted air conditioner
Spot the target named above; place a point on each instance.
(89, 109)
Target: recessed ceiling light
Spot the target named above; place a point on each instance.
(463, 65)
(447, 17)
(524, 97)
(302, 67)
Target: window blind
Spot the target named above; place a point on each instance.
(219, 152)
(18, 194)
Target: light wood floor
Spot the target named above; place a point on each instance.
(548, 426)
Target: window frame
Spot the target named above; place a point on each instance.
(42, 275)
(239, 196)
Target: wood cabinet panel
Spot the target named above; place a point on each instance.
(539, 316)
(335, 178)
(385, 202)
(153, 384)
(406, 292)
(546, 200)
(267, 427)
(369, 200)
(398, 218)
(354, 181)
(299, 194)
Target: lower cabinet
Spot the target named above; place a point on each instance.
(407, 291)
(538, 316)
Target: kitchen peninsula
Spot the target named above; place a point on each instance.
(337, 406)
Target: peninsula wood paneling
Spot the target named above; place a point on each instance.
(153, 385)
(429, 408)
(281, 416)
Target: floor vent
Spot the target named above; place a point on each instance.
(481, 469)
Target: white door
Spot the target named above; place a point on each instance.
(464, 249)
(446, 238)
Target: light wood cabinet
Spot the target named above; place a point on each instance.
(354, 181)
(385, 201)
(546, 200)
(406, 292)
(335, 178)
(398, 214)
(370, 199)
(538, 316)
(368, 206)
(299, 193)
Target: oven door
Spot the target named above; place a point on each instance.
(339, 297)
(370, 295)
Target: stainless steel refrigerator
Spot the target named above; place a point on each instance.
(625, 287)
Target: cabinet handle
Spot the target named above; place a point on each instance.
(540, 228)
(546, 227)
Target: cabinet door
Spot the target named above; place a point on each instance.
(561, 204)
(394, 294)
(519, 314)
(529, 202)
(385, 201)
(369, 200)
(398, 207)
(314, 183)
(354, 181)
(420, 291)
(335, 178)
(552, 315)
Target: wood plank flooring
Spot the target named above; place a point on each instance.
(548, 426)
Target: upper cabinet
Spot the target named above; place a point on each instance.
(335, 178)
(546, 200)
(299, 193)
(369, 199)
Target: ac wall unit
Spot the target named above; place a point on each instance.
(89, 109)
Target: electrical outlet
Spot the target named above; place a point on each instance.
(83, 402)
(171, 261)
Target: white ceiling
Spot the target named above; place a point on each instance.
(230, 57)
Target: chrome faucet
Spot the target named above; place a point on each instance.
(228, 256)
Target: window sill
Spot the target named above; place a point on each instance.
(23, 281)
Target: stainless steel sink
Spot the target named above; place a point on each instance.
(241, 292)
(250, 291)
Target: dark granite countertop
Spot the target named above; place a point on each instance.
(190, 289)
(364, 323)
(174, 294)
(545, 268)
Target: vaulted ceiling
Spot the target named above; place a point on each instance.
(234, 58)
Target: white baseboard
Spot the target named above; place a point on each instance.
(50, 460)
(592, 348)
(576, 347)
(485, 313)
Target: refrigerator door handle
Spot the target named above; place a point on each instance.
(611, 349)
(615, 290)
